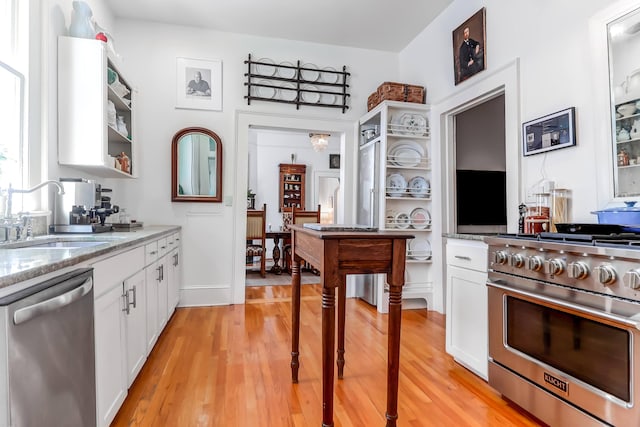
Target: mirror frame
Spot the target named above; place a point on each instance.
(175, 197)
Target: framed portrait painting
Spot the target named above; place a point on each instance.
(334, 161)
(469, 52)
(199, 84)
(551, 132)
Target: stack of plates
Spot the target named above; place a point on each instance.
(408, 124)
(420, 219)
(406, 153)
(419, 249)
(419, 187)
(396, 185)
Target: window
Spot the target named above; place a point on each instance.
(14, 54)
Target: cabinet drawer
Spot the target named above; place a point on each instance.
(163, 247)
(469, 254)
(110, 271)
(150, 252)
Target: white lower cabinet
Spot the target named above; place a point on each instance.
(466, 321)
(175, 274)
(136, 322)
(110, 343)
(132, 305)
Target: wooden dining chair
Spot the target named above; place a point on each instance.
(256, 236)
(299, 217)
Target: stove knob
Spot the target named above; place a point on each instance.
(500, 257)
(534, 263)
(578, 270)
(554, 266)
(631, 279)
(606, 274)
(517, 260)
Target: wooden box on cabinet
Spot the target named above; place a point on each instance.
(87, 139)
(292, 186)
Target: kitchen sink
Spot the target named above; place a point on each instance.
(56, 243)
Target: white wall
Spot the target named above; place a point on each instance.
(149, 54)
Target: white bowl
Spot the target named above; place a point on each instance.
(627, 109)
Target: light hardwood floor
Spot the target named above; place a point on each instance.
(229, 366)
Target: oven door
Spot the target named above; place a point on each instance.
(578, 346)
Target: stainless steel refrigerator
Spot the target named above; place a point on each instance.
(367, 210)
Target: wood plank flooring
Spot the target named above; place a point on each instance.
(229, 366)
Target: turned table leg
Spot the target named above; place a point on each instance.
(295, 321)
(328, 344)
(341, 321)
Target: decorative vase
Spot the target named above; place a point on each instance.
(81, 25)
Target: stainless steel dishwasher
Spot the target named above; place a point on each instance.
(50, 352)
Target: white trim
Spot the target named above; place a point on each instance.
(204, 296)
(505, 79)
(348, 176)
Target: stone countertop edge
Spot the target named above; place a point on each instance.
(127, 239)
(462, 236)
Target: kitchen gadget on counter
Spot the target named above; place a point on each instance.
(82, 208)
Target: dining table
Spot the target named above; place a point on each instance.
(277, 234)
(336, 252)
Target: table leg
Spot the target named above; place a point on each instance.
(328, 345)
(393, 356)
(341, 318)
(295, 321)
(276, 269)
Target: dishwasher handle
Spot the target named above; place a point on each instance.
(25, 314)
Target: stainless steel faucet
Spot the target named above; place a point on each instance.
(10, 191)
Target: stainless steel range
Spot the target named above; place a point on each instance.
(564, 326)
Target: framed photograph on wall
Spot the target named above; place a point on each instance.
(199, 84)
(469, 52)
(551, 132)
(334, 161)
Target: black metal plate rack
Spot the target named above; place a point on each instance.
(314, 90)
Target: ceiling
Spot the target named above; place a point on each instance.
(370, 24)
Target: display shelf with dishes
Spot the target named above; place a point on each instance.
(96, 110)
(298, 84)
(400, 132)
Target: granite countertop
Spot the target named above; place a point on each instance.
(19, 264)
(467, 236)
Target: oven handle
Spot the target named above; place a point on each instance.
(626, 321)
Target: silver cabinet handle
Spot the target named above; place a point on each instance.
(125, 297)
(153, 252)
(27, 313)
(159, 277)
(466, 258)
(133, 290)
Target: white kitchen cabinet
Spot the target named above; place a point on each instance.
(86, 139)
(175, 273)
(136, 322)
(466, 317)
(111, 362)
(152, 277)
(403, 189)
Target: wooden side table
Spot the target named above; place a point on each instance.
(336, 254)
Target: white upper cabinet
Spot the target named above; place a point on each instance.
(91, 136)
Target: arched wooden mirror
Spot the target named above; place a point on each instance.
(196, 166)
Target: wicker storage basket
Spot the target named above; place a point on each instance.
(401, 92)
(372, 101)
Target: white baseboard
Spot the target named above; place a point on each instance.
(205, 296)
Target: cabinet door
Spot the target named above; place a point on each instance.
(136, 321)
(174, 280)
(110, 342)
(467, 330)
(163, 292)
(152, 274)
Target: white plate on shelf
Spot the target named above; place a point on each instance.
(418, 186)
(265, 92)
(287, 91)
(329, 77)
(402, 220)
(328, 98)
(310, 75)
(396, 185)
(406, 156)
(286, 73)
(420, 218)
(408, 124)
(419, 249)
(310, 97)
(268, 67)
